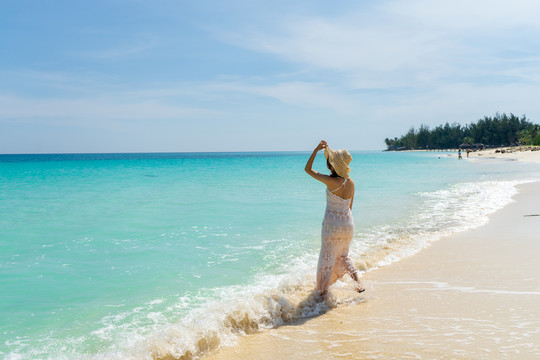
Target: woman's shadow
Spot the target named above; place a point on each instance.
(315, 305)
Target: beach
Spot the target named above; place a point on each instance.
(217, 180)
(471, 295)
(512, 153)
(517, 153)
(124, 256)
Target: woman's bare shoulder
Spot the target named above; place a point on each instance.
(350, 184)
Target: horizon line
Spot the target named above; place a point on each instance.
(171, 152)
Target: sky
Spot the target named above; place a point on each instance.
(190, 76)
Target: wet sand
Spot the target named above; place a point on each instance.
(472, 295)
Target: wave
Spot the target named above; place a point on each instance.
(159, 330)
(459, 207)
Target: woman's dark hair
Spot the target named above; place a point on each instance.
(329, 166)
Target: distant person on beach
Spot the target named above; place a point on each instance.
(459, 154)
(338, 224)
(468, 151)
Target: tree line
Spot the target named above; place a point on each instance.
(498, 130)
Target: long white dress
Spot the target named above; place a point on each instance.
(337, 233)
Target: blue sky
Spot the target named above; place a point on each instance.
(145, 76)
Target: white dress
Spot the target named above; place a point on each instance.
(337, 233)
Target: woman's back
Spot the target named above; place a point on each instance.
(344, 188)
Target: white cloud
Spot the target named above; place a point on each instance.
(378, 69)
(346, 46)
(210, 100)
(404, 43)
(297, 93)
(98, 109)
(460, 102)
(469, 15)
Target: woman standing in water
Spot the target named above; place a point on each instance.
(338, 224)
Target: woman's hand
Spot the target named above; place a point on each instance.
(309, 164)
(321, 145)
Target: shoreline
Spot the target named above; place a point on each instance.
(515, 153)
(473, 294)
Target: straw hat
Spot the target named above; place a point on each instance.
(340, 160)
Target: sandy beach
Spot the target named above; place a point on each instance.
(512, 153)
(472, 295)
(515, 153)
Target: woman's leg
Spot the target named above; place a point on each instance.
(325, 268)
(352, 271)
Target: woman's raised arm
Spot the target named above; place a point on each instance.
(321, 177)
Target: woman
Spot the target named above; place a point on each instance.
(338, 224)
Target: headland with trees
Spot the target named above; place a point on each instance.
(488, 132)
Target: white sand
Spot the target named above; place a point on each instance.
(515, 153)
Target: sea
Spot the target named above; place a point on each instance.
(172, 255)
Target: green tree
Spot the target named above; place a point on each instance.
(423, 137)
(500, 129)
(527, 136)
(410, 139)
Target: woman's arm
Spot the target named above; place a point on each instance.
(322, 178)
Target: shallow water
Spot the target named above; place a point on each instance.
(115, 256)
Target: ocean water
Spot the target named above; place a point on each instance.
(146, 256)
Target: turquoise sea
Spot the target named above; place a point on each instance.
(142, 256)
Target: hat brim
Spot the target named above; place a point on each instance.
(340, 167)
